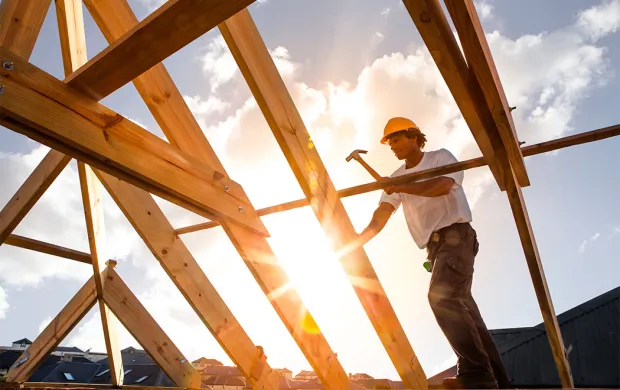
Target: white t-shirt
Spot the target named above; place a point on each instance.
(424, 215)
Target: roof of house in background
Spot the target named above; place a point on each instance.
(131, 355)
(7, 358)
(591, 334)
(68, 349)
(208, 362)
(135, 374)
(69, 372)
(21, 341)
(221, 370)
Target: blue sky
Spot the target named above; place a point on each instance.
(349, 66)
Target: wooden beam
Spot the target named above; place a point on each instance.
(84, 386)
(277, 106)
(31, 191)
(20, 24)
(54, 333)
(532, 150)
(114, 17)
(153, 227)
(162, 97)
(73, 46)
(148, 333)
(93, 211)
(50, 249)
(480, 61)
(45, 109)
(172, 26)
(71, 32)
(532, 257)
(434, 29)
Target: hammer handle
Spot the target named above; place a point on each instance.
(369, 169)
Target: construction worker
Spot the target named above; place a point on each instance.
(438, 217)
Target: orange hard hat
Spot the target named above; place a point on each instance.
(397, 124)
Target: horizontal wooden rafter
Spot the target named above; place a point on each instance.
(531, 150)
(50, 249)
(45, 109)
(480, 61)
(168, 29)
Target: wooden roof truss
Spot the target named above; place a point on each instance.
(131, 164)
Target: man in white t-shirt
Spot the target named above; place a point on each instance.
(438, 217)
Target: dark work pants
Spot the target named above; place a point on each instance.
(452, 253)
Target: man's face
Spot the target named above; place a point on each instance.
(403, 146)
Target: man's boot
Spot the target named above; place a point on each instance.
(470, 381)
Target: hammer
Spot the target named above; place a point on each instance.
(356, 155)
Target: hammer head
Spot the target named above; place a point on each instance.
(355, 154)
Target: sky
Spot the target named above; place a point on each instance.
(349, 65)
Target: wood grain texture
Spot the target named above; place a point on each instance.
(276, 104)
(169, 28)
(143, 327)
(153, 227)
(532, 257)
(20, 24)
(31, 191)
(54, 333)
(50, 249)
(43, 108)
(435, 31)
(480, 61)
(71, 31)
(164, 100)
(73, 45)
(157, 89)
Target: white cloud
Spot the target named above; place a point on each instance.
(4, 303)
(484, 9)
(205, 107)
(44, 323)
(58, 218)
(600, 20)
(218, 63)
(386, 11)
(589, 240)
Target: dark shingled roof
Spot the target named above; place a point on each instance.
(591, 334)
(133, 372)
(131, 355)
(20, 341)
(81, 373)
(8, 357)
(68, 349)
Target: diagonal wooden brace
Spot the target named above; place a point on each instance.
(45, 109)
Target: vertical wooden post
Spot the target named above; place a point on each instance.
(73, 45)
